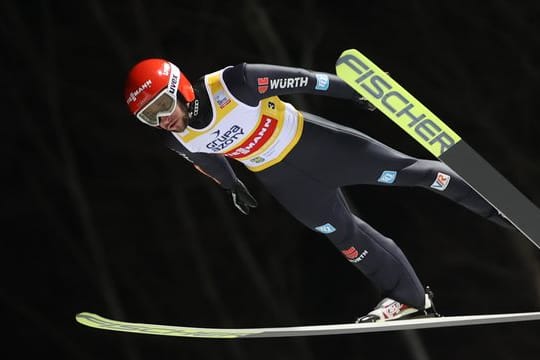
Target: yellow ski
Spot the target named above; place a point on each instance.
(377, 87)
(100, 322)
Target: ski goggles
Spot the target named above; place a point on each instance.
(162, 104)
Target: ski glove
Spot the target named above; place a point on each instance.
(241, 197)
(364, 104)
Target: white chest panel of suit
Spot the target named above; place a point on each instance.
(258, 136)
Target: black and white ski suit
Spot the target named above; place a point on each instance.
(303, 160)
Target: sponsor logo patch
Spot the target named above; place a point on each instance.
(225, 139)
(222, 99)
(393, 309)
(260, 136)
(322, 82)
(133, 95)
(289, 83)
(387, 177)
(326, 228)
(262, 85)
(195, 108)
(173, 84)
(257, 160)
(441, 181)
(350, 253)
(353, 255)
(166, 69)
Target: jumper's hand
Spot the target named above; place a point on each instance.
(241, 197)
(366, 105)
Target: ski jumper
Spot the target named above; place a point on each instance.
(303, 160)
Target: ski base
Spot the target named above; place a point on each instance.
(97, 321)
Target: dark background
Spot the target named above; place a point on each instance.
(98, 216)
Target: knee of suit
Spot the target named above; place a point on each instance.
(431, 174)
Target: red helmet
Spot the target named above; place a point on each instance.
(151, 88)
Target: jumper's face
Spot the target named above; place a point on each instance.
(177, 121)
(165, 111)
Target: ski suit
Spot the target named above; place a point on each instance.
(303, 160)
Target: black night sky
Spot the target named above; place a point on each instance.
(99, 216)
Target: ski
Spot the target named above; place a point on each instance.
(96, 321)
(376, 86)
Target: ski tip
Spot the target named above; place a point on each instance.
(80, 316)
(348, 51)
(86, 318)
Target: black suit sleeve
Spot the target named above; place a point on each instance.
(252, 82)
(215, 166)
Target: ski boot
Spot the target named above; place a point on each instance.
(389, 309)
